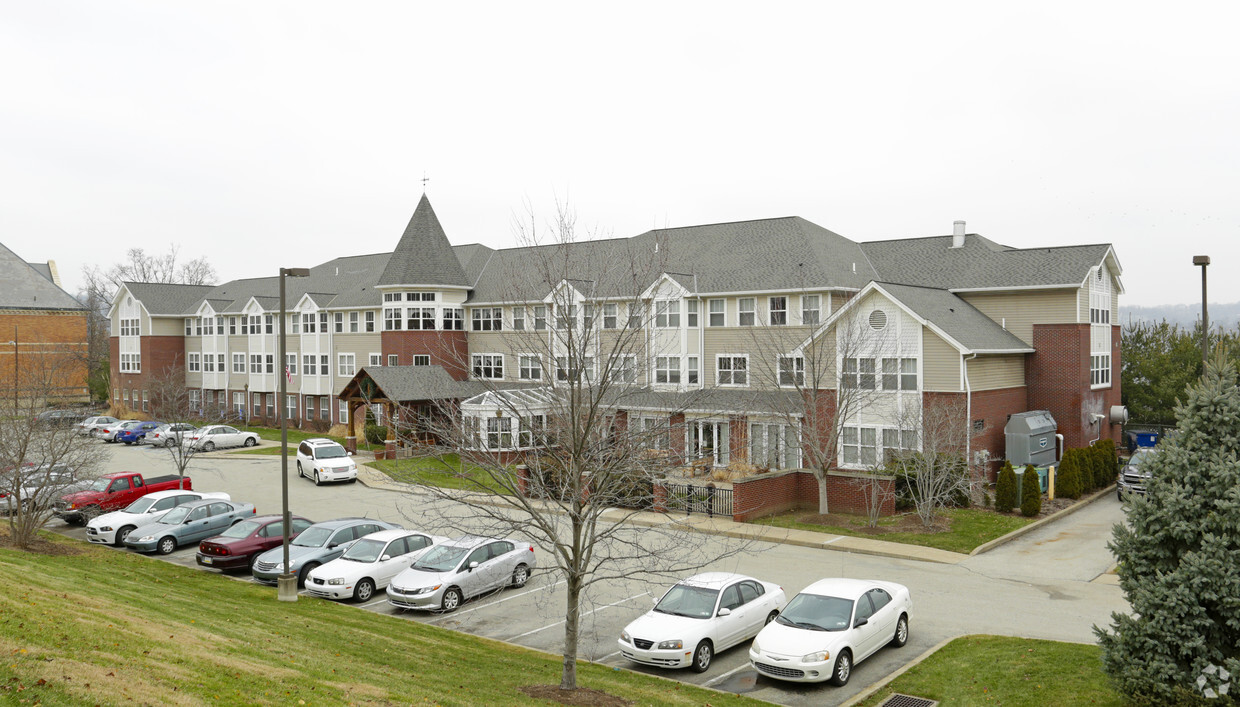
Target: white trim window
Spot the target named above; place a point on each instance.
(567, 369)
(859, 446)
(239, 403)
(624, 369)
(189, 327)
(897, 443)
(488, 366)
(420, 318)
(899, 374)
(611, 316)
(309, 365)
(393, 360)
(667, 369)
(195, 399)
(692, 370)
(859, 373)
(290, 364)
(130, 327)
(540, 317)
(376, 359)
(747, 315)
(257, 400)
(487, 318)
(238, 363)
(518, 318)
(587, 317)
(565, 316)
(392, 319)
(290, 406)
(657, 432)
(421, 359)
(232, 326)
(346, 364)
(370, 322)
(637, 315)
(1100, 329)
(193, 362)
(338, 322)
(732, 369)
(791, 371)
(1100, 370)
(774, 445)
(667, 314)
(530, 367)
(269, 322)
(532, 430)
(777, 310)
(294, 324)
(309, 407)
(325, 368)
(270, 360)
(256, 363)
(499, 433)
(717, 311)
(208, 363)
(343, 410)
(691, 313)
(222, 366)
(353, 323)
(131, 363)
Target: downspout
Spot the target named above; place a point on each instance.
(968, 412)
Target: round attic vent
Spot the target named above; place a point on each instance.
(878, 320)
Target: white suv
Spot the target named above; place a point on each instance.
(324, 460)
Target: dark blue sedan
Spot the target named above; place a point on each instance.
(137, 432)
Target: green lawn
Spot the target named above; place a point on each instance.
(114, 628)
(445, 471)
(969, 528)
(996, 670)
(269, 451)
(295, 436)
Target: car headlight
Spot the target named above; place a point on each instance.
(671, 645)
(336, 580)
(427, 590)
(146, 538)
(105, 529)
(279, 567)
(624, 636)
(754, 646)
(816, 657)
(72, 506)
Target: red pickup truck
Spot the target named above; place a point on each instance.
(112, 492)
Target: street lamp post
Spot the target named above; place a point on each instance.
(287, 583)
(1203, 261)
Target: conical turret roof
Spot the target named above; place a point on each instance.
(424, 257)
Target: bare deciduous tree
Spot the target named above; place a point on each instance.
(937, 474)
(171, 403)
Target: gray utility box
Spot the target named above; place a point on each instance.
(1031, 438)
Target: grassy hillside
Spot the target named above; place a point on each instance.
(105, 627)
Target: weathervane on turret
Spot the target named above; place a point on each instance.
(425, 179)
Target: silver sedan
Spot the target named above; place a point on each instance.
(450, 573)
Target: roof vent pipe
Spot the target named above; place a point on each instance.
(958, 234)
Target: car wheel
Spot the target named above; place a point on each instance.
(901, 636)
(520, 576)
(843, 669)
(365, 590)
(250, 442)
(451, 599)
(1120, 495)
(166, 545)
(168, 442)
(701, 657)
(317, 480)
(208, 447)
(305, 573)
(771, 616)
(300, 473)
(123, 533)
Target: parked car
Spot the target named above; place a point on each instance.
(168, 435)
(61, 418)
(466, 567)
(318, 544)
(325, 460)
(369, 564)
(240, 545)
(88, 426)
(831, 625)
(111, 528)
(112, 492)
(38, 486)
(212, 436)
(701, 616)
(136, 434)
(187, 524)
(108, 433)
(1135, 475)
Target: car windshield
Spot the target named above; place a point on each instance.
(334, 451)
(140, 505)
(688, 600)
(1139, 458)
(817, 613)
(100, 485)
(364, 550)
(242, 530)
(441, 559)
(176, 515)
(313, 537)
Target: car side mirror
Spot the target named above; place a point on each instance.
(860, 623)
(472, 565)
(725, 611)
(348, 454)
(385, 558)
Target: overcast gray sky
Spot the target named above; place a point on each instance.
(267, 134)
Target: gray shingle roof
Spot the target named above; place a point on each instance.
(405, 383)
(424, 256)
(44, 269)
(955, 317)
(24, 287)
(168, 299)
(980, 263)
(708, 400)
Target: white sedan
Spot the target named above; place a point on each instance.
(831, 625)
(699, 617)
(212, 436)
(369, 564)
(111, 528)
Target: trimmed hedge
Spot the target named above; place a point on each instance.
(1030, 493)
(1005, 489)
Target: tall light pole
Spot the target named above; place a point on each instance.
(1203, 261)
(287, 582)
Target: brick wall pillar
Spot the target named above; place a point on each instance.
(660, 498)
(523, 479)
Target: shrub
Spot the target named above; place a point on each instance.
(1108, 465)
(1030, 493)
(1005, 489)
(1068, 479)
(374, 433)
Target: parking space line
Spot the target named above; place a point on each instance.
(376, 601)
(608, 657)
(583, 615)
(726, 675)
(493, 603)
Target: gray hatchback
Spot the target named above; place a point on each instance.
(320, 543)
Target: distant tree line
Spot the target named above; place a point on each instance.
(1160, 361)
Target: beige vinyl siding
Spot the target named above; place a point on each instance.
(163, 326)
(1082, 304)
(996, 372)
(1019, 311)
(940, 364)
(763, 344)
(508, 344)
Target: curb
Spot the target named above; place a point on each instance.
(874, 689)
(1003, 540)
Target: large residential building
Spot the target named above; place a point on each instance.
(722, 316)
(43, 335)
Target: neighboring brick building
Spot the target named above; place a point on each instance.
(723, 315)
(43, 333)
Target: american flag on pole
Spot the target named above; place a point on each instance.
(287, 374)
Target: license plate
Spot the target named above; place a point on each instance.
(206, 560)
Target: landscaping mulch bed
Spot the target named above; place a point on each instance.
(909, 522)
(582, 696)
(39, 546)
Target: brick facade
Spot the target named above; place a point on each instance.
(781, 491)
(449, 349)
(162, 356)
(49, 350)
(1058, 378)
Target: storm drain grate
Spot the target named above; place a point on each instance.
(898, 700)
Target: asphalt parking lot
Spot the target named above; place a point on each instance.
(948, 600)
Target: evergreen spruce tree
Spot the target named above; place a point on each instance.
(1030, 493)
(1107, 467)
(1068, 477)
(1177, 556)
(1089, 471)
(1005, 489)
